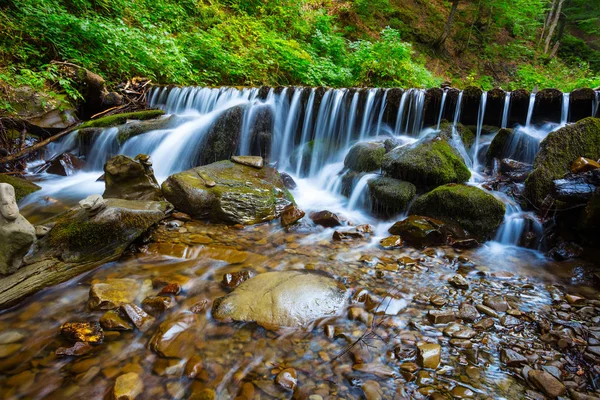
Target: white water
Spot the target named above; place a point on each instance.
(506, 110)
(564, 115)
(530, 108)
(439, 121)
(480, 118)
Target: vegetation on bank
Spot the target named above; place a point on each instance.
(281, 42)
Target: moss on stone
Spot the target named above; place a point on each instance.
(22, 186)
(427, 164)
(365, 157)
(498, 145)
(466, 134)
(390, 196)
(473, 209)
(557, 152)
(120, 119)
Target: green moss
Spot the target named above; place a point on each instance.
(430, 164)
(473, 209)
(390, 196)
(120, 119)
(557, 152)
(498, 145)
(467, 135)
(22, 186)
(365, 157)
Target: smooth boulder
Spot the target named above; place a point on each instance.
(429, 163)
(390, 196)
(471, 208)
(420, 231)
(131, 179)
(365, 157)
(16, 233)
(283, 299)
(229, 192)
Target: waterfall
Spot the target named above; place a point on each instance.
(456, 139)
(596, 105)
(530, 109)
(517, 225)
(105, 145)
(480, 118)
(359, 199)
(506, 110)
(284, 143)
(306, 127)
(381, 111)
(367, 115)
(564, 115)
(400, 116)
(417, 108)
(439, 121)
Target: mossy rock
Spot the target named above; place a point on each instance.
(79, 237)
(228, 192)
(516, 145)
(349, 180)
(130, 179)
(557, 152)
(120, 119)
(498, 144)
(469, 207)
(22, 186)
(428, 163)
(127, 131)
(365, 157)
(466, 134)
(223, 137)
(390, 196)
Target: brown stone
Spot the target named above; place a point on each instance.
(251, 161)
(391, 242)
(113, 320)
(441, 316)
(78, 349)
(291, 215)
(511, 358)
(174, 337)
(326, 218)
(235, 279)
(468, 312)
(90, 332)
(459, 281)
(200, 306)
(156, 305)
(287, 379)
(193, 367)
(128, 386)
(548, 384)
(140, 319)
(171, 288)
(112, 293)
(429, 355)
(583, 164)
(496, 303)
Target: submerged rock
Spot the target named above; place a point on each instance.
(130, 179)
(326, 218)
(420, 231)
(282, 299)
(89, 332)
(175, 337)
(128, 386)
(365, 157)
(112, 293)
(473, 209)
(390, 196)
(428, 163)
(429, 355)
(557, 153)
(228, 192)
(16, 233)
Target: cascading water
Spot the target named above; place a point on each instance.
(596, 105)
(520, 228)
(456, 139)
(564, 116)
(400, 116)
(480, 118)
(530, 109)
(439, 121)
(505, 111)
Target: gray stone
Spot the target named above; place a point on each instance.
(16, 233)
(468, 312)
(511, 358)
(131, 179)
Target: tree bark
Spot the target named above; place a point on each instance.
(554, 23)
(444, 36)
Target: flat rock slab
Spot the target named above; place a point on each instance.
(283, 299)
(112, 293)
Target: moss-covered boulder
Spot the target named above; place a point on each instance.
(465, 133)
(390, 196)
(420, 231)
(228, 192)
(22, 186)
(557, 152)
(365, 157)
(471, 208)
(428, 163)
(223, 137)
(120, 119)
(516, 145)
(131, 179)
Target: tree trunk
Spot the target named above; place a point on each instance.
(547, 21)
(442, 39)
(553, 25)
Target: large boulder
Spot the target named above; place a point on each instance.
(557, 153)
(22, 186)
(16, 233)
(390, 196)
(428, 163)
(365, 157)
(229, 192)
(130, 179)
(223, 137)
(283, 299)
(471, 208)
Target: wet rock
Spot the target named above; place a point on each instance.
(200, 306)
(326, 218)
(228, 192)
(41, 231)
(390, 196)
(441, 316)
(288, 181)
(193, 367)
(484, 324)
(89, 332)
(235, 279)
(557, 152)
(287, 379)
(459, 331)
(251, 161)
(16, 233)
(438, 301)
(459, 281)
(92, 204)
(65, 164)
(171, 288)
(128, 386)
(391, 242)
(130, 179)
(291, 215)
(11, 336)
(78, 349)
(419, 231)
(516, 171)
(156, 305)
(372, 390)
(461, 392)
(509, 321)
(7, 350)
(468, 312)
(487, 310)
(140, 319)
(511, 358)
(21, 186)
(365, 157)
(113, 320)
(583, 164)
(496, 303)
(112, 293)
(379, 370)
(174, 338)
(566, 251)
(282, 298)
(548, 384)
(429, 355)
(428, 163)
(463, 243)
(473, 209)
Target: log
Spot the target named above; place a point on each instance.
(37, 146)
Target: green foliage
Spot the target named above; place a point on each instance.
(555, 75)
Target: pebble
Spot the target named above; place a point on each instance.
(90, 332)
(496, 303)
(128, 386)
(429, 355)
(468, 312)
(459, 282)
(140, 319)
(511, 358)
(113, 320)
(547, 383)
(372, 390)
(287, 379)
(441, 316)
(487, 310)
(8, 337)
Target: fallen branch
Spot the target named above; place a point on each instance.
(37, 146)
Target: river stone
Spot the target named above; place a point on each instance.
(429, 355)
(128, 386)
(548, 384)
(89, 332)
(496, 303)
(251, 161)
(583, 164)
(390, 196)
(325, 218)
(228, 192)
(428, 163)
(112, 293)
(283, 299)
(419, 231)
(22, 186)
(131, 179)
(16, 233)
(365, 157)
(471, 208)
(176, 336)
